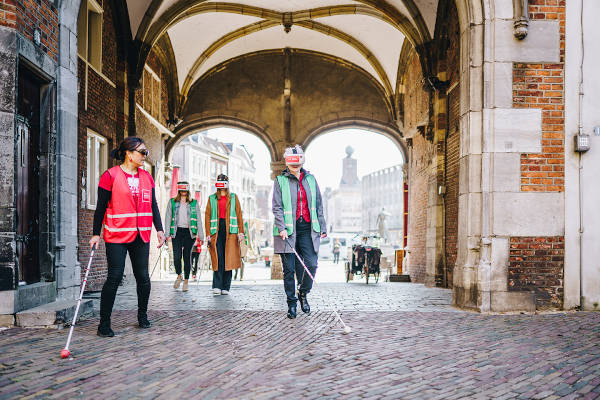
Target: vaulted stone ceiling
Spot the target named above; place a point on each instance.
(366, 33)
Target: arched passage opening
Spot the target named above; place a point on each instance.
(288, 74)
(361, 171)
(205, 149)
(289, 90)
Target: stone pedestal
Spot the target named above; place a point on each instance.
(276, 267)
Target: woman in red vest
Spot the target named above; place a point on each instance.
(126, 207)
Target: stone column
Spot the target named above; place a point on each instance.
(276, 267)
(8, 271)
(66, 157)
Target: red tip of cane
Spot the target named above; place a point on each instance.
(64, 353)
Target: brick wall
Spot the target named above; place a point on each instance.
(536, 264)
(416, 114)
(452, 177)
(542, 86)
(101, 117)
(417, 207)
(452, 143)
(28, 15)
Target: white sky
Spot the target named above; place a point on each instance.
(324, 155)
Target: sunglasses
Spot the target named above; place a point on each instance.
(143, 152)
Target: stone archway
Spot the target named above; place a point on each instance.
(190, 127)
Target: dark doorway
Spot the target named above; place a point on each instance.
(28, 153)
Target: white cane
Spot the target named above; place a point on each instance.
(64, 353)
(347, 329)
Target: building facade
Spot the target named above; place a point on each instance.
(344, 203)
(383, 197)
(200, 157)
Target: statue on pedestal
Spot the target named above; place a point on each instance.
(381, 225)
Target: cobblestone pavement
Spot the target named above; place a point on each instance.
(257, 293)
(227, 347)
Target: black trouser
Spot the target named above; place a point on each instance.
(221, 278)
(291, 266)
(139, 253)
(195, 256)
(183, 242)
(336, 257)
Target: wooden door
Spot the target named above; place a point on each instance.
(28, 171)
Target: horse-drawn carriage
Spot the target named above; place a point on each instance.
(365, 259)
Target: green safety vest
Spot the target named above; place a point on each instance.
(214, 217)
(193, 218)
(286, 197)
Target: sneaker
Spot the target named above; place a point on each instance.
(177, 282)
(185, 286)
(216, 291)
(224, 291)
(194, 277)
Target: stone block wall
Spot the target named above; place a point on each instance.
(19, 20)
(536, 264)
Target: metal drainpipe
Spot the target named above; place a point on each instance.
(580, 169)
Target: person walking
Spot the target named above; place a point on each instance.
(196, 251)
(224, 227)
(126, 207)
(182, 218)
(299, 224)
(336, 251)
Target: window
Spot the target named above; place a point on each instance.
(151, 92)
(89, 35)
(97, 161)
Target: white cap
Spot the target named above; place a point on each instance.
(294, 155)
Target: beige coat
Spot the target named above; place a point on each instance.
(232, 244)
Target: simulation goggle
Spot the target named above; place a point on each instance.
(183, 187)
(221, 184)
(294, 159)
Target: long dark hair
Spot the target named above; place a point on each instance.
(130, 143)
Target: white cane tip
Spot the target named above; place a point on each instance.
(347, 330)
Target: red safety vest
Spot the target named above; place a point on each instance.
(124, 218)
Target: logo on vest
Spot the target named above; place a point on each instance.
(146, 197)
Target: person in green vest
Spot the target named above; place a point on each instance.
(224, 227)
(299, 223)
(184, 226)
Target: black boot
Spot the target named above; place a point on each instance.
(104, 330)
(291, 311)
(303, 302)
(143, 321)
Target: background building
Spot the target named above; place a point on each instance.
(383, 190)
(344, 203)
